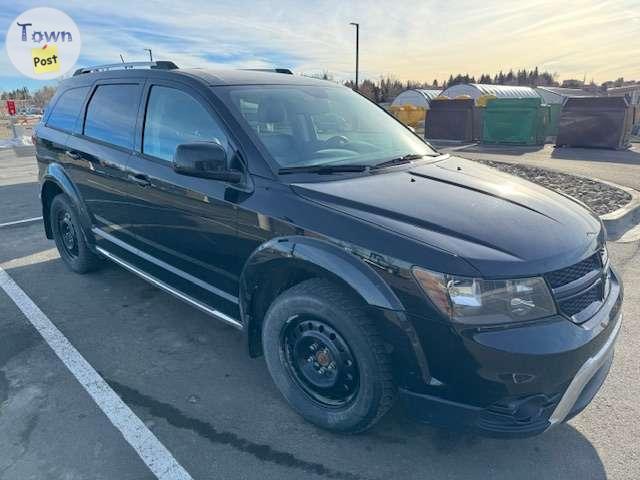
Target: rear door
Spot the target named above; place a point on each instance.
(59, 122)
(99, 153)
(185, 227)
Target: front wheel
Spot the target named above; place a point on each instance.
(327, 358)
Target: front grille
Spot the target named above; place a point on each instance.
(576, 298)
(577, 304)
(559, 278)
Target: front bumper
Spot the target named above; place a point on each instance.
(520, 381)
(526, 416)
(591, 372)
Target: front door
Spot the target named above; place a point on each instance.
(183, 227)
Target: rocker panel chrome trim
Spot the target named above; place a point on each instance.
(176, 271)
(162, 285)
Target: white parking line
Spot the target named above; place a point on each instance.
(18, 222)
(632, 235)
(153, 453)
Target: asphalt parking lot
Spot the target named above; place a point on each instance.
(188, 379)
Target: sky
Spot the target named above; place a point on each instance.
(409, 40)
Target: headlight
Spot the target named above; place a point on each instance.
(477, 301)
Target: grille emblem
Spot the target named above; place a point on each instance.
(604, 256)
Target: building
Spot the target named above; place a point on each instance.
(416, 97)
(477, 90)
(632, 92)
(557, 95)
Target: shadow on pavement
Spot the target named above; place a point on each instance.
(629, 156)
(19, 201)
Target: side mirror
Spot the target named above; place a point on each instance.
(205, 160)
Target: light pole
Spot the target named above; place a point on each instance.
(150, 54)
(357, 25)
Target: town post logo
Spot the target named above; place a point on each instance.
(43, 43)
(45, 59)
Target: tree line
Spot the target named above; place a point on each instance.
(385, 89)
(39, 98)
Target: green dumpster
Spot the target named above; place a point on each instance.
(515, 121)
(544, 128)
(556, 109)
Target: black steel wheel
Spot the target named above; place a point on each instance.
(67, 233)
(321, 361)
(327, 357)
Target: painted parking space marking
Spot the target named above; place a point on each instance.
(631, 235)
(19, 222)
(152, 452)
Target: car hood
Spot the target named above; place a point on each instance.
(502, 225)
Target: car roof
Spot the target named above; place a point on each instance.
(249, 77)
(218, 77)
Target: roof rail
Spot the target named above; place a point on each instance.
(274, 70)
(159, 65)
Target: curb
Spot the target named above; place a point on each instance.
(24, 150)
(450, 145)
(618, 222)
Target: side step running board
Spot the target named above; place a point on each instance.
(176, 293)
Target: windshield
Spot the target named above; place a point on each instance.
(303, 126)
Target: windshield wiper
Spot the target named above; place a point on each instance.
(404, 159)
(322, 169)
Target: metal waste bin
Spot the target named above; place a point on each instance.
(450, 120)
(554, 119)
(595, 122)
(515, 121)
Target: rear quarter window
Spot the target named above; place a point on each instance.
(65, 112)
(111, 114)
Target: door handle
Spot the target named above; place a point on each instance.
(72, 155)
(139, 179)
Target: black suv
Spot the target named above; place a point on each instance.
(363, 264)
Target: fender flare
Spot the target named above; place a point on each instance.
(327, 257)
(56, 174)
(316, 254)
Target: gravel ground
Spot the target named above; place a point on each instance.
(600, 197)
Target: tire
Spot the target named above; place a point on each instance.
(69, 238)
(316, 324)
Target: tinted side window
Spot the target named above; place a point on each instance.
(111, 114)
(66, 110)
(174, 117)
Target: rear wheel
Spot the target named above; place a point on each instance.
(327, 358)
(68, 236)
